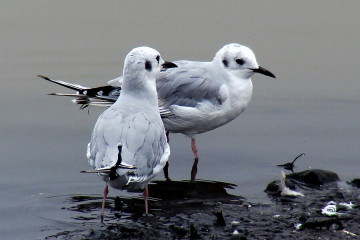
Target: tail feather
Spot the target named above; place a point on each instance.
(68, 95)
(103, 96)
(72, 86)
(108, 169)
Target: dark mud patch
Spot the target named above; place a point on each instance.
(204, 210)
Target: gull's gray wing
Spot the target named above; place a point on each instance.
(187, 85)
(190, 84)
(141, 136)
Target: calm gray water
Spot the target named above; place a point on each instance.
(313, 106)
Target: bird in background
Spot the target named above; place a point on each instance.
(193, 98)
(128, 146)
(290, 165)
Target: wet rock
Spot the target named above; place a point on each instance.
(355, 182)
(310, 178)
(273, 188)
(193, 217)
(315, 177)
(238, 237)
(179, 230)
(183, 190)
(118, 204)
(321, 223)
(219, 218)
(194, 232)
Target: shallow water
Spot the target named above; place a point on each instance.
(312, 106)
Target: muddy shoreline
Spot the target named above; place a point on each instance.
(204, 210)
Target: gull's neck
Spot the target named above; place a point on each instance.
(139, 88)
(240, 89)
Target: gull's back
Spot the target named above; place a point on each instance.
(190, 83)
(140, 135)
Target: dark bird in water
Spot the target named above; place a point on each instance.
(290, 165)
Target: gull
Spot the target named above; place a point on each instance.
(195, 97)
(128, 145)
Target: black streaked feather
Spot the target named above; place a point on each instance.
(113, 174)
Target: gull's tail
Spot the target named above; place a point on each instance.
(109, 169)
(103, 96)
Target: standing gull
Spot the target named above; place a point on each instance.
(195, 97)
(128, 145)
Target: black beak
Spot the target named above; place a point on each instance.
(264, 71)
(167, 65)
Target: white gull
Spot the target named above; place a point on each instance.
(128, 145)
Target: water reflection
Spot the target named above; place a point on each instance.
(171, 196)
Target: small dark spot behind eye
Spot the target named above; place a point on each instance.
(240, 61)
(225, 62)
(148, 65)
(158, 58)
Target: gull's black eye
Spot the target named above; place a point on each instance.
(240, 61)
(158, 58)
(148, 66)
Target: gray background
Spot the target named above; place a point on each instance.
(312, 106)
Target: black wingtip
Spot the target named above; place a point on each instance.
(43, 77)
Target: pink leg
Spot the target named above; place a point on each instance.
(106, 191)
(194, 148)
(196, 160)
(146, 194)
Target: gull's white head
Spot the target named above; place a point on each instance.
(240, 60)
(142, 64)
(143, 60)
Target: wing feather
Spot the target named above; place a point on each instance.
(188, 86)
(141, 135)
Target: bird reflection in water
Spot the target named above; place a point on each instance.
(172, 196)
